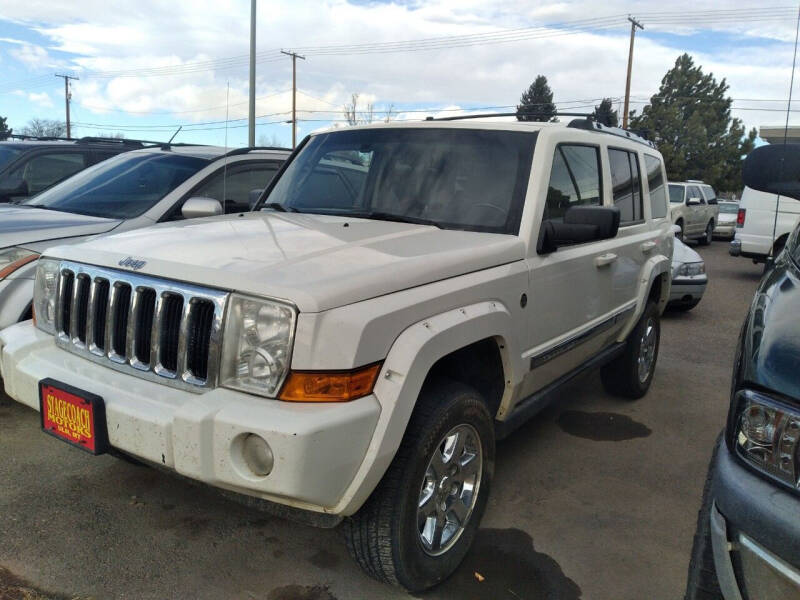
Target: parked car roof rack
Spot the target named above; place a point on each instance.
(591, 125)
(82, 140)
(248, 149)
(507, 114)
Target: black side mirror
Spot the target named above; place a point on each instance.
(581, 224)
(774, 169)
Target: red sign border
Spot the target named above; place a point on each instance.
(101, 444)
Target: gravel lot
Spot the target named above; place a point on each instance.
(596, 498)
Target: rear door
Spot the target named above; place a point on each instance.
(696, 214)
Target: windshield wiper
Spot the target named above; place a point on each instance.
(385, 216)
(279, 207)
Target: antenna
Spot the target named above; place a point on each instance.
(174, 134)
(785, 133)
(225, 164)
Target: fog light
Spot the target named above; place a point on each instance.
(257, 455)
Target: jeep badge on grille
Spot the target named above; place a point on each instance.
(132, 263)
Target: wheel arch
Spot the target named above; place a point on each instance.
(424, 350)
(654, 284)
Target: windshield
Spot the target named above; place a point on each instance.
(467, 179)
(675, 193)
(728, 208)
(7, 155)
(122, 187)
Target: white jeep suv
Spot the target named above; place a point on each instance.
(407, 293)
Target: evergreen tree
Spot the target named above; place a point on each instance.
(690, 121)
(536, 103)
(605, 114)
(5, 131)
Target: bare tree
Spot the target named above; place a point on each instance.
(389, 113)
(271, 140)
(44, 128)
(117, 135)
(356, 116)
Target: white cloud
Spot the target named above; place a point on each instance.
(111, 36)
(33, 56)
(42, 99)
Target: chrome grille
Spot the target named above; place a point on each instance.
(160, 330)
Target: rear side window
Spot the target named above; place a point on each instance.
(43, 170)
(626, 184)
(676, 194)
(574, 180)
(655, 182)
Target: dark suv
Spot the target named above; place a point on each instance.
(29, 165)
(747, 545)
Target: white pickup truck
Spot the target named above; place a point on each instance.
(407, 293)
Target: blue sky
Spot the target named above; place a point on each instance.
(146, 68)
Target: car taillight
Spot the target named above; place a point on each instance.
(740, 217)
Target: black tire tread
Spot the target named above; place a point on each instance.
(368, 533)
(619, 376)
(701, 581)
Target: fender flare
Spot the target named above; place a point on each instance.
(657, 266)
(404, 371)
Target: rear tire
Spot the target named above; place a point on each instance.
(631, 374)
(400, 534)
(708, 236)
(701, 582)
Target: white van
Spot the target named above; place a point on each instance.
(757, 232)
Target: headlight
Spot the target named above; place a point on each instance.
(44, 294)
(767, 436)
(12, 259)
(691, 269)
(257, 345)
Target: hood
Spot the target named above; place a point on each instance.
(682, 254)
(21, 226)
(317, 262)
(771, 338)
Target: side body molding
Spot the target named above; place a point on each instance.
(409, 360)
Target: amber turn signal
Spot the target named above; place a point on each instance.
(6, 271)
(326, 386)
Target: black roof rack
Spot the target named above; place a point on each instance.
(591, 125)
(508, 114)
(82, 140)
(248, 149)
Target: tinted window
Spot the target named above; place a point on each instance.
(676, 193)
(694, 192)
(43, 170)
(456, 178)
(626, 185)
(574, 180)
(232, 187)
(121, 187)
(7, 155)
(655, 182)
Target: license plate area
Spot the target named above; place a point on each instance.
(73, 416)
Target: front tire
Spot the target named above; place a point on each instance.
(421, 520)
(631, 374)
(708, 237)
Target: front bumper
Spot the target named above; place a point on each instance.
(755, 533)
(317, 448)
(687, 290)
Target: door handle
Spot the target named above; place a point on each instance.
(604, 259)
(647, 246)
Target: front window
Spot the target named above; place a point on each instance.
(466, 179)
(676, 194)
(574, 180)
(122, 187)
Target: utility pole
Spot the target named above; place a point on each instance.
(67, 97)
(294, 56)
(251, 115)
(634, 25)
